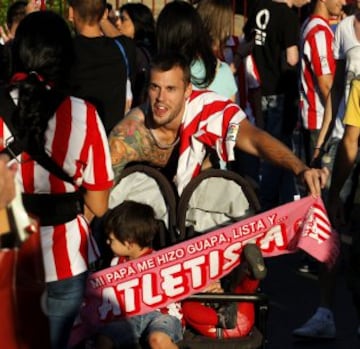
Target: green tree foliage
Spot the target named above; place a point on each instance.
(55, 5)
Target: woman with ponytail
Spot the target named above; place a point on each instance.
(64, 165)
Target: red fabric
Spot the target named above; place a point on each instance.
(23, 324)
(210, 121)
(30, 286)
(8, 333)
(204, 319)
(43, 5)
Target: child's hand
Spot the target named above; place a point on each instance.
(214, 287)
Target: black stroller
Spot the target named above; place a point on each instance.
(215, 198)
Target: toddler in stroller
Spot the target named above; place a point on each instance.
(231, 199)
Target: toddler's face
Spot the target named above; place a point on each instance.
(119, 249)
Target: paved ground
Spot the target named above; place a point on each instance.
(293, 298)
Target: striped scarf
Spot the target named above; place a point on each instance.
(211, 121)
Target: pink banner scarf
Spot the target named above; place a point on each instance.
(172, 274)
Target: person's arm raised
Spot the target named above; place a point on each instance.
(107, 27)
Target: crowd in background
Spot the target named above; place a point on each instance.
(86, 98)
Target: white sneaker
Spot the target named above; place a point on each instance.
(320, 325)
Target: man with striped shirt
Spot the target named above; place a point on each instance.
(182, 124)
(317, 68)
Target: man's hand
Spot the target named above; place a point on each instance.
(315, 179)
(214, 287)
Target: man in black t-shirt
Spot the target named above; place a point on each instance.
(274, 27)
(100, 72)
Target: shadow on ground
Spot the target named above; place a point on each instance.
(294, 298)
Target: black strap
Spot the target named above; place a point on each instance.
(54, 209)
(16, 147)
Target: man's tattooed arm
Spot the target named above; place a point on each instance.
(130, 141)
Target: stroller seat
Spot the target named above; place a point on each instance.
(145, 184)
(214, 198)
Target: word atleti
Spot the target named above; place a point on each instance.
(174, 281)
(172, 274)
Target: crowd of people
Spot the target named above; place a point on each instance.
(180, 93)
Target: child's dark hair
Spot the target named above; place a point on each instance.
(132, 222)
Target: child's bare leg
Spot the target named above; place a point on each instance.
(160, 340)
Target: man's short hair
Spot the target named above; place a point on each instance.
(90, 11)
(169, 60)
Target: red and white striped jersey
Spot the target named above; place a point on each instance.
(76, 140)
(316, 47)
(209, 120)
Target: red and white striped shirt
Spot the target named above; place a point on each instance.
(76, 140)
(209, 120)
(317, 59)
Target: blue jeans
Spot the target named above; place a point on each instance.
(136, 329)
(64, 298)
(277, 186)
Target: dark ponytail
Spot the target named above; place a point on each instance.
(42, 57)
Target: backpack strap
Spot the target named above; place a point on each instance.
(122, 50)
